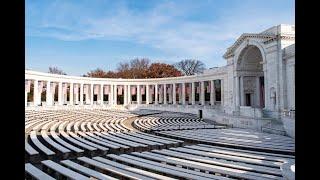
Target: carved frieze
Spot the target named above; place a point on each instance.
(249, 84)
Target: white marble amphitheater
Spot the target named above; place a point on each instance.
(230, 122)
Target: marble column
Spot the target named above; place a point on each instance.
(151, 94)
(156, 94)
(138, 94)
(65, 94)
(147, 94)
(237, 91)
(71, 94)
(242, 100)
(212, 93)
(183, 92)
(202, 95)
(170, 93)
(115, 94)
(91, 94)
(125, 95)
(101, 94)
(48, 94)
(60, 100)
(81, 94)
(110, 96)
(174, 95)
(193, 93)
(164, 94)
(161, 94)
(258, 92)
(35, 92)
(87, 99)
(129, 94)
(25, 98)
(76, 94)
(189, 94)
(180, 93)
(222, 92)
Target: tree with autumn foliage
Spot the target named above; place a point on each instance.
(97, 73)
(162, 70)
(137, 69)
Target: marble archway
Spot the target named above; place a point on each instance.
(250, 70)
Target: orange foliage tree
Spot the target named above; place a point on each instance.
(137, 69)
(162, 70)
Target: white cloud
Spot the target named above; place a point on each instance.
(162, 27)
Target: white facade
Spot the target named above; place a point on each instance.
(258, 81)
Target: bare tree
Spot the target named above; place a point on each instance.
(55, 70)
(190, 66)
(140, 64)
(136, 68)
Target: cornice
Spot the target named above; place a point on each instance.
(243, 37)
(267, 38)
(34, 75)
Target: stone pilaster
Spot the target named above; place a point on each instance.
(183, 92)
(202, 98)
(60, 100)
(81, 94)
(193, 93)
(156, 94)
(71, 94)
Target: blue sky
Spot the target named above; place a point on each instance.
(81, 35)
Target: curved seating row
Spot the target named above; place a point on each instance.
(96, 144)
(240, 138)
(68, 136)
(158, 123)
(188, 162)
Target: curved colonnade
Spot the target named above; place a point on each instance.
(98, 143)
(58, 90)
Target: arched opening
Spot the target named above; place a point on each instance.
(250, 71)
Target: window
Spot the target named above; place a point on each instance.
(248, 99)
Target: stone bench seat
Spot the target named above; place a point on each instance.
(98, 141)
(63, 170)
(30, 150)
(53, 143)
(120, 140)
(37, 143)
(140, 171)
(159, 167)
(86, 171)
(88, 142)
(76, 142)
(64, 143)
(36, 173)
(125, 172)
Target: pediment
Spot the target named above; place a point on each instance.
(244, 37)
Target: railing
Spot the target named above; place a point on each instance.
(289, 113)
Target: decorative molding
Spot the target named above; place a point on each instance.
(230, 50)
(268, 38)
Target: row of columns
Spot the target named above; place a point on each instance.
(159, 96)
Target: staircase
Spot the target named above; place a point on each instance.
(275, 126)
(270, 114)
